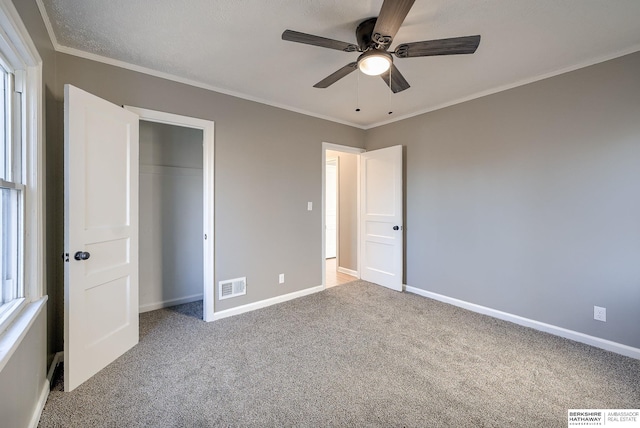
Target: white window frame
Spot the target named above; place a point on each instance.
(18, 50)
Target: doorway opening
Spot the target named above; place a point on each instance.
(340, 225)
(176, 211)
(171, 205)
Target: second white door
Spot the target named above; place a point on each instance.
(381, 231)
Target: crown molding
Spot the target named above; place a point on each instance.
(517, 83)
(167, 76)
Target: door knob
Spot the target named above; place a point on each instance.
(396, 227)
(81, 255)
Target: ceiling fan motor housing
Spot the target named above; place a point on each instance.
(364, 34)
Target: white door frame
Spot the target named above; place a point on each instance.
(337, 202)
(343, 149)
(207, 128)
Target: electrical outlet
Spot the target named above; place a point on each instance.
(600, 314)
(281, 278)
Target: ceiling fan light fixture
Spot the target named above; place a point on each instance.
(374, 62)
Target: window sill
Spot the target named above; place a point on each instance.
(11, 338)
(10, 311)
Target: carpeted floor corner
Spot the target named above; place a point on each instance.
(357, 355)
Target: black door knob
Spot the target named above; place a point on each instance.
(81, 255)
(396, 227)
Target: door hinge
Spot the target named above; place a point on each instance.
(65, 257)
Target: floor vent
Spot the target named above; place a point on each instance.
(232, 288)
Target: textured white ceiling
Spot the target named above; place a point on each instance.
(235, 46)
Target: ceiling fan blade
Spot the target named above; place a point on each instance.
(334, 77)
(398, 82)
(310, 39)
(392, 15)
(453, 46)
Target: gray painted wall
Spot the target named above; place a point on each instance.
(171, 230)
(527, 201)
(524, 201)
(169, 145)
(267, 167)
(24, 376)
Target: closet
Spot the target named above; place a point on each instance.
(171, 207)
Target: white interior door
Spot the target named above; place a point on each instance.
(331, 208)
(381, 217)
(101, 234)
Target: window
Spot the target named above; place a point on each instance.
(21, 191)
(11, 192)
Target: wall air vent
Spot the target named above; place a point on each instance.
(232, 288)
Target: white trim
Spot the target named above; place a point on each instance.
(323, 219)
(267, 302)
(47, 24)
(10, 312)
(163, 75)
(508, 86)
(57, 359)
(35, 196)
(358, 212)
(168, 303)
(208, 176)
(42, 400)
(196, 84)
(170, 118)
(25, 57)
(608, 345)
(46, 387)
(335, 162)
(347, 271)
(122, 64)
(19, 36)
(341, 148)
(11, 338)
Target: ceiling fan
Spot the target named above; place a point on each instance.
(374, 37)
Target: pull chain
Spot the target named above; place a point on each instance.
(390, 90)
(358, 90)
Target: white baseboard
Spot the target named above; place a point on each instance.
(348, 271)
(57, 359)
(167, 303)
(264, 303)
(42, 400)
(46, 387)
(608, 345)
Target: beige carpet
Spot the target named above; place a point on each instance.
(357, 355)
